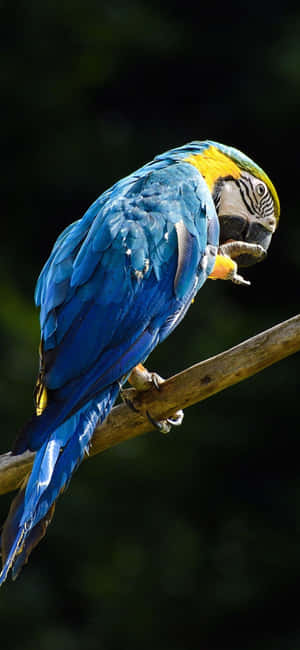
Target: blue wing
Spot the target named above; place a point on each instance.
(116, 283)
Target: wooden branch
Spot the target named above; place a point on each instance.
(180, 391)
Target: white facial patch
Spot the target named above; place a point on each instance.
(231, 203)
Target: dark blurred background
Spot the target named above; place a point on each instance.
(191, 539)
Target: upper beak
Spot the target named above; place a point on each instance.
(238, 228)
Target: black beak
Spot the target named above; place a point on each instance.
(239, 229)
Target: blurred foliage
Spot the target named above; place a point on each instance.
(193, 538)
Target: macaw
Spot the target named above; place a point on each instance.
(116, 284)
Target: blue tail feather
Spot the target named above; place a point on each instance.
(54, 464)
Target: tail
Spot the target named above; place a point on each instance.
(33, 508)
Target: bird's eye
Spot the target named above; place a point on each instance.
(260, 189)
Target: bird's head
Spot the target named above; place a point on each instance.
(246, 201)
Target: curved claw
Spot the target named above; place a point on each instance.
(163, 425)
(124, 397)
(156, 380)
(177, 419)
(238, 279)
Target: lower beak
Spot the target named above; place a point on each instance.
(236, 228)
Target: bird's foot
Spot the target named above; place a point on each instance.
(234, 249)
(238, 251)
(226, 269)
(142, 380)
(228, 257)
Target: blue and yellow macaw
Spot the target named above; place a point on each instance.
(117, 282)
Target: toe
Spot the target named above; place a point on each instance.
(176, 419)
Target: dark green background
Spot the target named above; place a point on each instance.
(190, 540)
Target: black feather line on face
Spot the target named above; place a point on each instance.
(246, 196)
(261, 206)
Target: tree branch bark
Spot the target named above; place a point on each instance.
(180, 391)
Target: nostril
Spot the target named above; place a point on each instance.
(272, 221)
